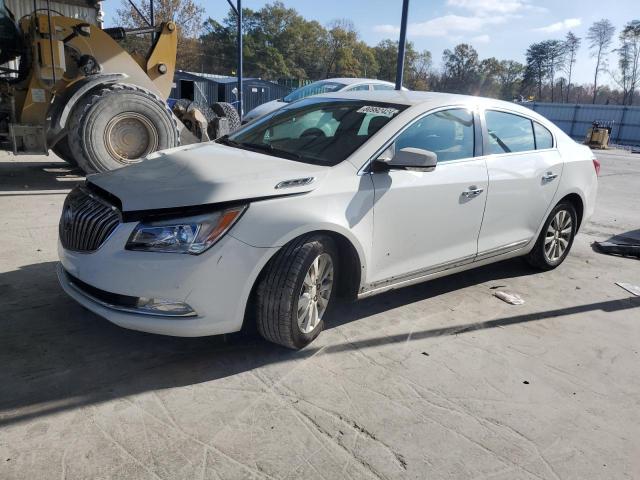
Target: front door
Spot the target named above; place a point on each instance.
(430, 221)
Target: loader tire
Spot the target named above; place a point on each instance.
(62, 150)
(228, 111)
(119, 125)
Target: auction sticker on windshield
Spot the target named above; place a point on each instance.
(386, 111)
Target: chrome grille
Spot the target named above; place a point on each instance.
(87, 221)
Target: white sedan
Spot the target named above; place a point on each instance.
(329, 85)
(344, 194)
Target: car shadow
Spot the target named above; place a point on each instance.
(58, 356)
(37, 178)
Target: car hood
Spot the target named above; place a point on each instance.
(204, 174)
(263, 109)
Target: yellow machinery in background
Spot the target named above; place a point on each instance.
(78, 92)
(598, 135)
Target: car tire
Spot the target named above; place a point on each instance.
(555, 239)
(295, 291)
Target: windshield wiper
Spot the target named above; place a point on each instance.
(225, 141)
(271, 150)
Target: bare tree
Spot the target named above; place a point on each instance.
(600, 35)
(572, 44)
(629, 59)
(187, 14)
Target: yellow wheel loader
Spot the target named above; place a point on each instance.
(80, 94)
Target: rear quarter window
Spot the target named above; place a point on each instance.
(544, 139)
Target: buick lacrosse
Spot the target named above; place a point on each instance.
(343, 194)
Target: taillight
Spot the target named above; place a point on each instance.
(596, 165)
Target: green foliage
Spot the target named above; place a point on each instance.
(280, 44)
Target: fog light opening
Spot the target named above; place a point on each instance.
(163, 306)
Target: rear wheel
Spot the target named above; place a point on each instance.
(118, 126)
(296, 291)
(556, 238)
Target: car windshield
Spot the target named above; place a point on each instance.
(314, 88)
(321, 131)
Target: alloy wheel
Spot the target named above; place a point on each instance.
(558, 236)
(315, 293)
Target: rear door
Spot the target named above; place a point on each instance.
(524, 173)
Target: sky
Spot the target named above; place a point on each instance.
(496, 28)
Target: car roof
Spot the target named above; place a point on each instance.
(431, 99)
(351, 81)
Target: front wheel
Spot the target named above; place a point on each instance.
(296, 290)
(556, 238)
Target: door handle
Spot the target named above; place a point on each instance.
(472, 192)
(547, 177)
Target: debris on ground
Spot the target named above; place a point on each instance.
(623, 249)
(635, 289)
(512, 298)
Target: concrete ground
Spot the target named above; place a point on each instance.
(440, 380)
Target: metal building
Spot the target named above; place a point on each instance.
(88, 10)
(575, 119)
(211, 88)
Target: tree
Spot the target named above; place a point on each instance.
(418, 71)
(629, 60)
(187, 15)
(510, 78)
(339, 58)
(415, 65)
(460, 68)
(536, 69)
(571, 45)
(489, 71)
(555, 57)
(600, 35)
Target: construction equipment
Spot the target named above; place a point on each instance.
(598, 135)
(78, 92)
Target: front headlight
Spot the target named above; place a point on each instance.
(191, 235)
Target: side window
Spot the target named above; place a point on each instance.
(544, 139)
(509, 132)
(449, 134)
(382, 86)
(359, 87)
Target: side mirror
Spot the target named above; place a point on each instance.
(409, 158)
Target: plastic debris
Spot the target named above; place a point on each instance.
(623, 249)
(512, 298)
(635, 289)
